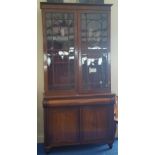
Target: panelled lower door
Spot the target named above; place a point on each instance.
(62, 125)
(96, 123)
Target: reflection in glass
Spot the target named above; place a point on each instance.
(94, 72)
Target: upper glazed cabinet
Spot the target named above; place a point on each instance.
(76, 49)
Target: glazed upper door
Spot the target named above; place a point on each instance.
(94, 28)
(59, 45)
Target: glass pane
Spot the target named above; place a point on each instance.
(94, 33)
(60, 50)
(94, 71)
(94, 45)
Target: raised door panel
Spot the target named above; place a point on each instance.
(63, 125)
(96, 123)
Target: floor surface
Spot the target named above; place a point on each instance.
(81, 150)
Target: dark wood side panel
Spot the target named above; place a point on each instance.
(63, 125)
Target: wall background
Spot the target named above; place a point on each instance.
(40, 76)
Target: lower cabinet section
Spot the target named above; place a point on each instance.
(96, 123)
(78, 123)
(62, 125)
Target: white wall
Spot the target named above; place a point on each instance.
(114, 45)
(40, 78)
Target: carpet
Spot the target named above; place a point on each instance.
(81, 150)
